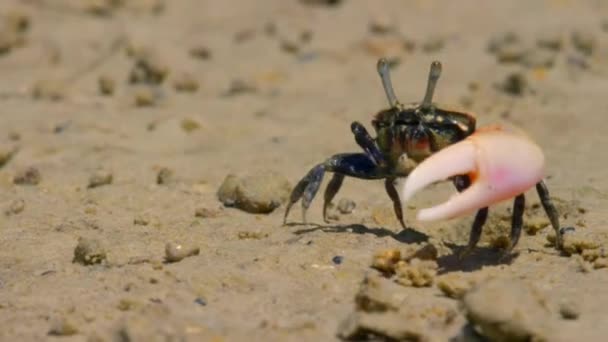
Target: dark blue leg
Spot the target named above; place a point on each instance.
(356, 165)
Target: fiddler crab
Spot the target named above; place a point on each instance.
(426, 143)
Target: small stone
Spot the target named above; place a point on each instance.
(6, 154)
(501, 39)
(514, 84)
(175, 252)
(99, 178)
(253, 235)
(200, 52)
(551, 40)
(539, 58)
(416, 272)
(106, 84)
(381, 25)
(385, 261)
(337, 259)
(321, 2)
(569, 309)
(238, 87)
(164, 176)
(186, 83)
(52, 90)
(141, 220)
(89, 252)
(433, 44)
(204, 212)
(257, 193)
(201, 301)
(63, 326)
(584, 42)
(346, 206)
(227, 191)
(28, 176)
(512, 52)
(189, 125)
(145, 96)
(16, 207)
(148, 68)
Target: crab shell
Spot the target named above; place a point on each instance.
(501, 163)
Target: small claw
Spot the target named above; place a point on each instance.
(500, 162)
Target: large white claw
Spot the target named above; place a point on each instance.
(501, 164)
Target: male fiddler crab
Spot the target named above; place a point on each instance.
(426, 143)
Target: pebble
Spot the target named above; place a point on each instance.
(175, 252)
(63, 326)
(200, 301)
(164, 176)
(27, 176)
(189, 125)
(106, 84)
(6, 154)
(257, 193)
(200, 52)
(337, 259)
(346, 206)
(89, 252)
(47, 89)
(145, 96)
(148, 68)
(186, 82)
(16, 207)
(569, 309)
(239, 87)
(539, 58)
(514, 84)
(99, 178)
(584, 42)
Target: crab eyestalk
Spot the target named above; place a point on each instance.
(434, 74)
(385, 75)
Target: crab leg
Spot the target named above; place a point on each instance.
(500, 163)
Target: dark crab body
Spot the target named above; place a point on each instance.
(405, 136)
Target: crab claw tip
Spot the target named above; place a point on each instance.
(500, 163)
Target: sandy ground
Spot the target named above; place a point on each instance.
(237, 87)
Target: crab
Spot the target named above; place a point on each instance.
(424, 143)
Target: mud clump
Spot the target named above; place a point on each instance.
(416, 272)
(455, 285)
(89, 252)
(258, 193)
(509, 310)
(384, 311)
(175, 252)
(416, 268)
